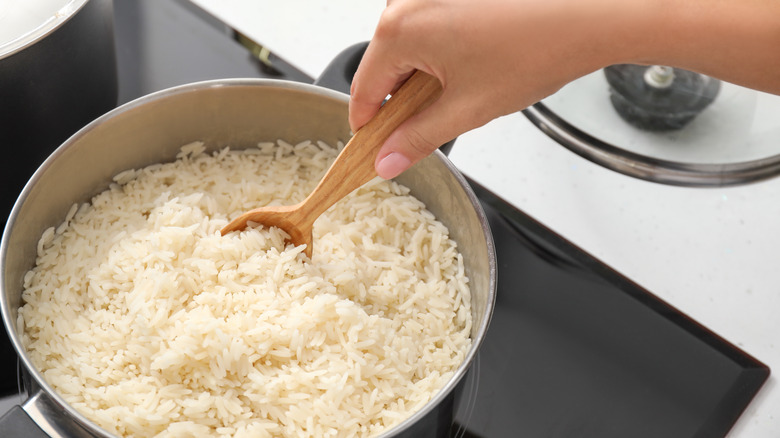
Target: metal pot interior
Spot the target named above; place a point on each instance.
(235, 113)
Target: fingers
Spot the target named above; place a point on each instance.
(419, 136)
(386, 64)
(375, 78)
(392, 56)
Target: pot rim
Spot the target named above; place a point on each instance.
(10, 326)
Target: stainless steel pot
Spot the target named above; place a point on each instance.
(238, 113)
(55, 77)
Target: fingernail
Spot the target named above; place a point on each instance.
(392, 165)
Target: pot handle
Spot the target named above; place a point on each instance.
(40, 417)
(339, 72)
(16, 422)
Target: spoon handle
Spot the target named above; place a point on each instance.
(355, 164)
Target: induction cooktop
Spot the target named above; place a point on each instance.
(575, 349)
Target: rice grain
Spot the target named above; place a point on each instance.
(150, 323)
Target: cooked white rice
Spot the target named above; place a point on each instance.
(150, 323)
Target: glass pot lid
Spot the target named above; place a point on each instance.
(24, 22)
(666, 125)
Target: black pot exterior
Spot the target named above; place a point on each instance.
(52, 88)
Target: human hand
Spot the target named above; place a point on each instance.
(492, 57)
(495, 57)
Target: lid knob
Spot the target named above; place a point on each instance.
(659, 98)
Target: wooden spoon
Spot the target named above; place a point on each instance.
(352, 168)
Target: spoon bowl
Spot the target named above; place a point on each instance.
(353, 167)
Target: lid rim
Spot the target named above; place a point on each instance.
(648, 168)
(41, 31)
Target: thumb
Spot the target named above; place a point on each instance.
(413, 140)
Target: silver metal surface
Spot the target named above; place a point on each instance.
(52, 418)
(39, 32)
(236, 113)
(659, 76)
(648, 168)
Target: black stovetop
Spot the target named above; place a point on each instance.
(574, 348)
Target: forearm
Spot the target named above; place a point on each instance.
(734, 40)
(494, 57)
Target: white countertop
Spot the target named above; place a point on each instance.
(712, 253)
